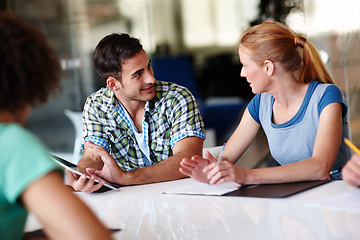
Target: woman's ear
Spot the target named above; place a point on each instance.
(112, 83)
(269, 67)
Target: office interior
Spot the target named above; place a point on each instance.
(190, 40)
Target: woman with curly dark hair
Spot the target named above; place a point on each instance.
(29, 179)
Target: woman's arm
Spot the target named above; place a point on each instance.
(238, 143)
(317, 167)
(61, 213)
(242, 137)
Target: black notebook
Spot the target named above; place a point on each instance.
(279, 190)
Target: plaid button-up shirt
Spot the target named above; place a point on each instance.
(169, 117)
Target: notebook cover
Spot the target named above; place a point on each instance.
(275, 190)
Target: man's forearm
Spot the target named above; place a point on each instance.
(167, 170)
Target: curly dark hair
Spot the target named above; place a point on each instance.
(29, 67)
(111, 51)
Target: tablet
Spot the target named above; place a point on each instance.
(78, 170)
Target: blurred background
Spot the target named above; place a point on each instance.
(192, 42)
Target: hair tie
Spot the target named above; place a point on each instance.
(299, 41)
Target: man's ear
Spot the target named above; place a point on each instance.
(112, 83)
(269, 67)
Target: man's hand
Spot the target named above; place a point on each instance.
(111, 170)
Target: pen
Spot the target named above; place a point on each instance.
(352, 146)
(221, 154)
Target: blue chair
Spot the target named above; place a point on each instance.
(222, 114)
(176, 69)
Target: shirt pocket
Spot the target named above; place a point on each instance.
(126, 152)
(160, 142)
(120, 142)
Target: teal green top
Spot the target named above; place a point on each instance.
(23, 160)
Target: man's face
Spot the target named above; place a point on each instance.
(137, 79)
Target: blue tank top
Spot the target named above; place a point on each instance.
(294, 140)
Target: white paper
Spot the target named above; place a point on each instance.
(199, 188)
(349, 201)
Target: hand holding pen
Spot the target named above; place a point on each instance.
(221, 154)
(351, 171)
(219, 174)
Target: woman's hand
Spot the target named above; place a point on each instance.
(224, 172)
(195, 166)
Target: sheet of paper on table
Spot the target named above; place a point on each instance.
(349, 201)
(198, 188)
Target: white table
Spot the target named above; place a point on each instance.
(144, 212)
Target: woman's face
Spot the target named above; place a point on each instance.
(255, 74)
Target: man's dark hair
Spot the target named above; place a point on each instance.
(29, 68)
(111, 51)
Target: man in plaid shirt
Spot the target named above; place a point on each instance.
(136, 129)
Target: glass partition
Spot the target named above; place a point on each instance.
(199, 28)
(335, 30)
